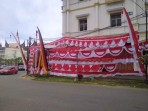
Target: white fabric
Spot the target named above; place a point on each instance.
(111, 68)
(92, 53)
(95, 75)
(124, 61)
(93, 42)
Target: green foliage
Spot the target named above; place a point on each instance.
(11, 61)
(144, 59)
(1, 59)
(135, 83)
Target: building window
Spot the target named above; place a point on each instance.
(115, 19)
(83, 24)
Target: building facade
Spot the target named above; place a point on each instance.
(11, 51)
(102, 17)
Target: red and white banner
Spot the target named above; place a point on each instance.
(94, 42)
(88, 53)
(134, 42)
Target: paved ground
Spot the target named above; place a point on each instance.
(17, 94)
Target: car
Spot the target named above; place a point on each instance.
(2, 66)
(21, 68)
(9, 70)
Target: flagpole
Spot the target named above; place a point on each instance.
(146, 80)
(27, 58)
(146, 20)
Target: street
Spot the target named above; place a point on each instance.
(18, 94)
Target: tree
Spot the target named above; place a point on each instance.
(6, 61)
(1, 59)
(11, 61)
(16, 61)
(19, 60)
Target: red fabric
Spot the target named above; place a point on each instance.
(62, 53)
(59, 66)
(52, 54)
(86, 53)
(101, 42)
(73, 67)
(129, 49)
(95, 68)
(133, 37)
(124, 39)
(117, 41)
(53, 66)
(66, 66)
(86, 41)
(42, 49)
(84, 46)
(87, 68)
(100, 52)
(106, 58)
(116, 50)
(80, 68)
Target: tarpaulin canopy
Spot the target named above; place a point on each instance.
(93, 56)
(103, 58)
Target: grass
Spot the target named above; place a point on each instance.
(135, 83)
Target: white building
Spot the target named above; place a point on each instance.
(11, 51)
(101, 17)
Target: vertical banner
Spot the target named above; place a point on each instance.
(134, 41)
(43, 54)
(20, 48)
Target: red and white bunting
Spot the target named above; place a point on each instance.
(88, 53)
(93, 42)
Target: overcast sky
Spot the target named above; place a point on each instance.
(26, 15)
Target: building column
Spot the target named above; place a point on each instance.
(67, 16)
(64, 29)
(97, 16)
(135, 10)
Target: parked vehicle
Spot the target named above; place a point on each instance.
(2, 66)
(21, 68)
(9, 70)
